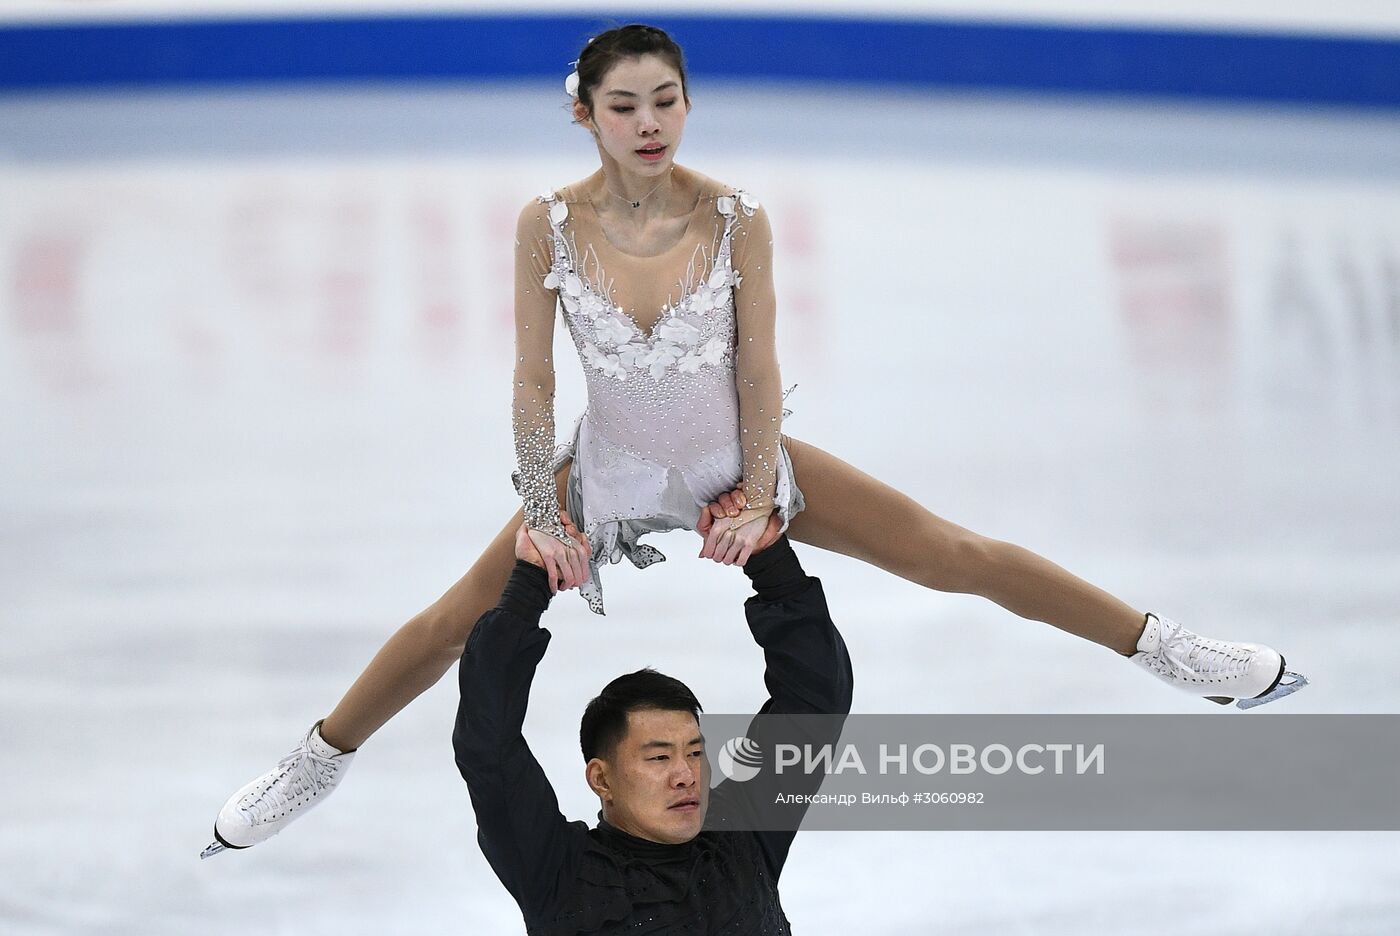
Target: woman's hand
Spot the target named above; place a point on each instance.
(733, 532)
(566, 565)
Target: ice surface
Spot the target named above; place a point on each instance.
(254, 358)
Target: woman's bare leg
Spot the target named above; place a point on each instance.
(856, 515)
(426, 647)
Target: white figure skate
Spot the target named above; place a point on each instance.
(260, 810)
(1220, 670)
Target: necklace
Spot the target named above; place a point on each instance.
(638, 202)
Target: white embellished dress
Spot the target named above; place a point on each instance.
(678, 351)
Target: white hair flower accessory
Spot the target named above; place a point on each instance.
(571, 82)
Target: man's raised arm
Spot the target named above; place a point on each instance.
(529, 843)
(808, 673)
(808, 669)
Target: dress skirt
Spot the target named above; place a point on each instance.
(615, 497)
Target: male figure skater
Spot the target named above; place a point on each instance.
(647, 866)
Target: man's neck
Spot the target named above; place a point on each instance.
(636, 841)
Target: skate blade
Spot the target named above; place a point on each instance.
(1288, 684)
(218, 845)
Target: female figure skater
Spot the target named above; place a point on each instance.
(664, 277)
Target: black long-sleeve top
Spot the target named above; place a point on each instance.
(570, 879)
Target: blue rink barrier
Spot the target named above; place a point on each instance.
(942, 53)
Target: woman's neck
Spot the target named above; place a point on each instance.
(633, 199)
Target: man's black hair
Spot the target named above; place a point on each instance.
(605, 719)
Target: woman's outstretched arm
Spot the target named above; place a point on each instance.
(532, 398)
(756, 363)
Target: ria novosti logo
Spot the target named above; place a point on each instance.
(740, 759)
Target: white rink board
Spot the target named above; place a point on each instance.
(253, 415)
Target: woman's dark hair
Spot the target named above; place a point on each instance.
(605, 719)
(625, 42)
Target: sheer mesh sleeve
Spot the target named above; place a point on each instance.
(532, 395)
(756, 362)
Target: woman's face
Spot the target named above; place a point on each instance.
(639, 114)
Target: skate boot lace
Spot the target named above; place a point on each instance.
(1189, 656)
(300, 774)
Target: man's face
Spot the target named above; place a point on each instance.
(656, 785)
